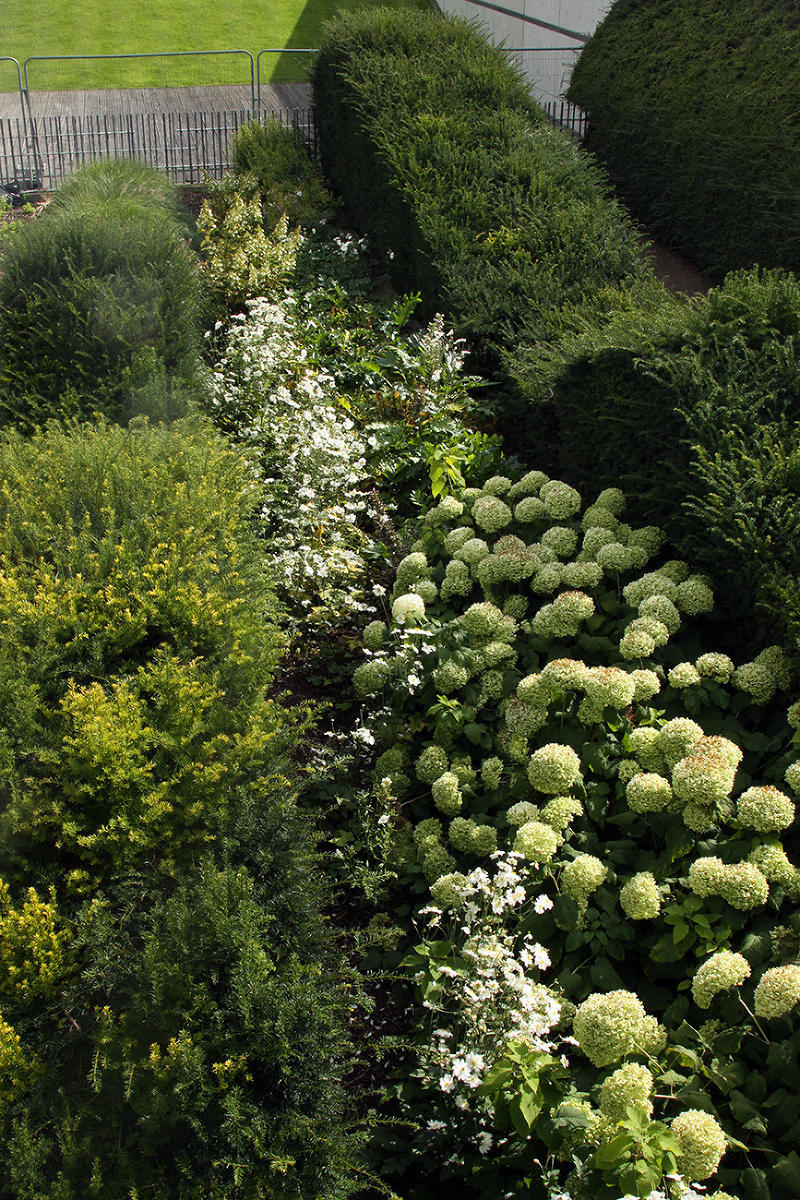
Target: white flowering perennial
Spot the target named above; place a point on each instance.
(702, 1143)
(724, 970)
(778, 991)
(613, 1025)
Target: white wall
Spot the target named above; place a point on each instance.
(549, 55)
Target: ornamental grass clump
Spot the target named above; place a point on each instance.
(631, 801)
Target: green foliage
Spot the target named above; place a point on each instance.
(441, 155)
(693, 109)
(169, 1023)
(692, 409)
(99, 305)
(287, 180)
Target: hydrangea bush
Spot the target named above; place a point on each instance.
(596, 813)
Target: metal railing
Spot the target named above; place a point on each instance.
(545, 69)
(188, 147)
(274, 50)
(165, 54)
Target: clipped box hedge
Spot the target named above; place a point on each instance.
(694, 411)
(693, 109)
(170, 1024)
(441, 155)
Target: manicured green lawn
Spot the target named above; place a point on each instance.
(54, 27)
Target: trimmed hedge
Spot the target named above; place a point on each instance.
(169, 1000)
(694, 411)
(693, 110)
(441, 155)
(100, 305)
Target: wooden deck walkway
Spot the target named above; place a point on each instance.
(124, 101)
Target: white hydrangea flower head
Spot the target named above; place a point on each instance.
(661, 608)
(426, 589)
(581, 877)
(677, 738)
(437, 862)
(774, 863)
(627, 769)
(522, 812)
(561, 500)
(764, 676)
(585, 574)
(640, 898)
(450, 677)
(654, 583)
(536, 841)
(408, 609)
(371, 677)
(497, 485)
(698, 817)
(472, 551)
(456, 538)
(615, 558)
(491, 513)
(485, 622)
(744, 886)
(636, 643)
(599, 516)
(644, 744)
(523, 720)
(649, 537)
(612, 1025)
(563, 618)
(778, 991)
(719, 973)
(706, 876)
(536, 690)
(561, 811)
(491, 773)
(702, 1143)
(629, 1086)
(529, 485)
(515, 607)
(375, 635)
(529, 509)
(457, 580)
(694, 596)
(793, 715)
(447, 793)
(648, 792)
(657, 630)
(704, 777)
(411, 568)
(547, 578)
(554, 769)
(683, 675)
(562, 675)
(597, 536)
(765, 809)
(561, 540)
(609, 687)
(448, 509)
(792, 776)
(715, 666)
(613, 499)
(431, 764)
(450, 891)
(646, 684)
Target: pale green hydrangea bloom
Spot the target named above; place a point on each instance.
(661, 608)
(547, 578)
(561, 500)
(470, 495)
(491, 513)
(371, 677)
(561, 675)
(451, 890)
(536, 690)
(564, 616)
(640, 898)
(703, 778)
(448, 509)
(792, 776)
(581, 877)
(529, 509)
(644, 742)
(491, 687)
(719, 973)
(484, 622)
(648, 792)
(536, 841)
(702, 1143)
(437, 862)
(510, 565)
(706, 876)
(654, 629)
(457, 537)
(744, 886)
(598, 516)
(597, 536)
(612, 1025)
(793, 715)
(649, 537)
(627, 769)
(523, 720)
(522, 812)
(683, 675)
(431, 764)
(464, 771)
(411, 568)
(614, 499)
(764, 676)
(561, 811)
(715, 666)
(554, 769)
(646, 684)
(427, 834)
(426, 589)
(694, 596)
(629, 1086)
(677, 738)
(457, 580)
(450, 677)
(772, 860)
(515, 607)
(408, 608)
(497, 485)
(495, 653)
(614, 557)
(698, 817)
(393, 759)
(529, 485)
(561, 540)
(447, 793)
(654, 583)
(375, 635)
(676, 570)
(491, 773)
(636, 643)
(778, 991)
(609, 687)
(765, 809)
(585, 574)
(472, 551)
